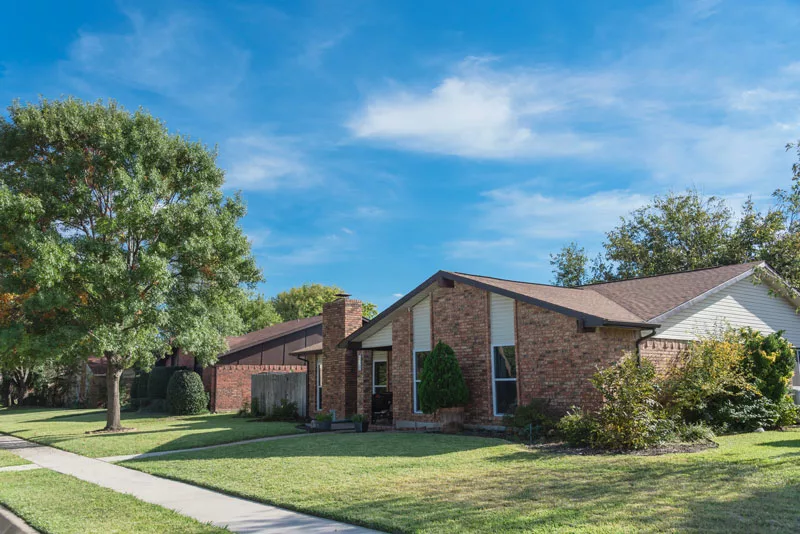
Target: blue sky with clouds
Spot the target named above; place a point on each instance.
(377, 142)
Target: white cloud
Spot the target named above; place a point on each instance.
(369, 212)
(264, 163)
(691, 104)
(471, 116)
(181, 56)
(397, 295)
(518, 223)
(301, 251)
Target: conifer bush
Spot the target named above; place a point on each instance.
(442, 384)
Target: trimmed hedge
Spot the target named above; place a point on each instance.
(159, 380)
(185, 394)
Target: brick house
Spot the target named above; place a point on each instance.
(517, 341)
(266, 350)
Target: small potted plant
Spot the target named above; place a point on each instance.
(360, 423)
(322, 421)
(442, 389)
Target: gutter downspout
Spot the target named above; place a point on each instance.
(642, 338)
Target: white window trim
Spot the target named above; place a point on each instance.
(319, 384)
(373, 374)
(495, 380)
(414, 373)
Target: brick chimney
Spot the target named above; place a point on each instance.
(340, 318)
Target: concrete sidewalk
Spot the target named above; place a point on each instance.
(238, 515)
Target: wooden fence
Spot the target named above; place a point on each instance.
(268, 389)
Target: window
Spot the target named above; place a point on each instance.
(419, 358)
(504, 379)
(319, 383)
(380, 376)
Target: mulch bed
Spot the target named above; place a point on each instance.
(670, 448)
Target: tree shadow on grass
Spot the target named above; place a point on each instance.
(767, 510)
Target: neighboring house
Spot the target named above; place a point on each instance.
(265, 350)
(518, 341)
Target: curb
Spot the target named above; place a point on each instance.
(11, 524)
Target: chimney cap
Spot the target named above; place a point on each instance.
(342, 295)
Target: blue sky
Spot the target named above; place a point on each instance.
(377, 142)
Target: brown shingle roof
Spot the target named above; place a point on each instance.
(631, 303)
(576, 300)
(652, 296)
(237, 343)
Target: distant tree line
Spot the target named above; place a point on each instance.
(683, 231)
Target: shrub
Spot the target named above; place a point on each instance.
(324, 416)
(530, 419)
(711, 368)
(576, 428)
(693, 432)
(441, 383)
(631, 417)
(185, 394)
(158, 381)
(743, 412)
(254, 407)
(788, 412)
(768, 362)
(358, 418)
(284, 411)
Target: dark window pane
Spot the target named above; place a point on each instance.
(416, 396)
(505, 395)
(505, 362)
(380, 389)
(381, 373)
(419, 358)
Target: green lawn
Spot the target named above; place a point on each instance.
(439, 483)
(66, 429)
(60, 504)
(7, 459)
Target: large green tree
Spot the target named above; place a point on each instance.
(257, 312)
(679, 232)
(121, 236)
(307, 301)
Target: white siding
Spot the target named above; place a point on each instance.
(502, 320)
(741, 304)
(380, 356)
(381, 338)
(421, 314)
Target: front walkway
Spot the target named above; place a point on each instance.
(238, 515)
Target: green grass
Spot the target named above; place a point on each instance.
(8, 459)
(60, 504)
(439, 483)
(66, 429)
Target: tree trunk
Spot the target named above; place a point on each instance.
(113, 418)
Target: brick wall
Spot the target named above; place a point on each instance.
(460, 318)
(555, 360)
(400, 370)
(229, 385)
(664, 353)
(364, 391)
(339, 376)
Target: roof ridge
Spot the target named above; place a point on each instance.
(509, 280)
(754, 262)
